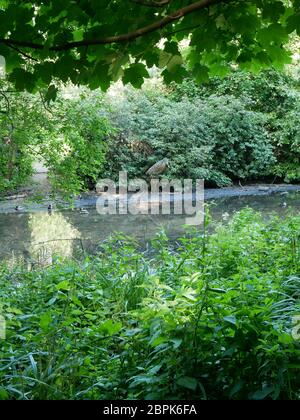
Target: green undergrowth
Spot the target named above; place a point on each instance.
(212, 319)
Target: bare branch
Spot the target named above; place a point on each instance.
(44, 103)
(6, 100)
(21, 52)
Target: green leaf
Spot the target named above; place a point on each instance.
(14, 311)
(293, 23)
(285, 338)
(110, 328)
(51, 94)
(176, 75)
(100, 77)
(3, 394)
(135, 75)
(63, 285)
(44, 72)
(188, 382)
(263, 393)
(177, 342)
(51, 301)
(274, 33)
(157, 341)
(273, 10)
(200, 73)
(171, 48)
(236, 388)
(23, 80)
(174, 61)
(45, 320)
(78, 35)
(231, 319)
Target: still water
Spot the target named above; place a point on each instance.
(68, 232)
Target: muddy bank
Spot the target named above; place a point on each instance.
(28, 204)
(256, 190)
(212, 193)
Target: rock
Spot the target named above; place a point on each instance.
(265, 189)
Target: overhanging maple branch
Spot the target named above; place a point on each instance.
(130, 36)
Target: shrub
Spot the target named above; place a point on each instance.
(272, 93)
(69, 136)
(19, 124)
(287, 139)
(215, 138)
(269, 91)
(75, 154)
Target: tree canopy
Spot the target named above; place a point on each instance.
(96, 42)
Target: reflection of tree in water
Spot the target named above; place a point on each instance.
(51, 234)
(13, 234)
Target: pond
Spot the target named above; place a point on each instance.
(38, 235)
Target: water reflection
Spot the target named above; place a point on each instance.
(51, 234)
(37, 237)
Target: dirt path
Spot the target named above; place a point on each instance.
(39, 183)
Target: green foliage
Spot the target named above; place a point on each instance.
(15, 166)
(287, 140)
(214, 138)
(270, 91)
(69, 137)
(76, 150)
(44, 42)
(22, 126)
(275, 95)
(209, 320)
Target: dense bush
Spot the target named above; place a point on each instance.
(75, 153)
(215, 138)
(287, 139)
(211, 320)
(268, 91)
(69, 136)
(19, 124)
(15, 165)
(274, 94)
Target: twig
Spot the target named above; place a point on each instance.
(21, 52)
(44, 103)
(7, 101)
